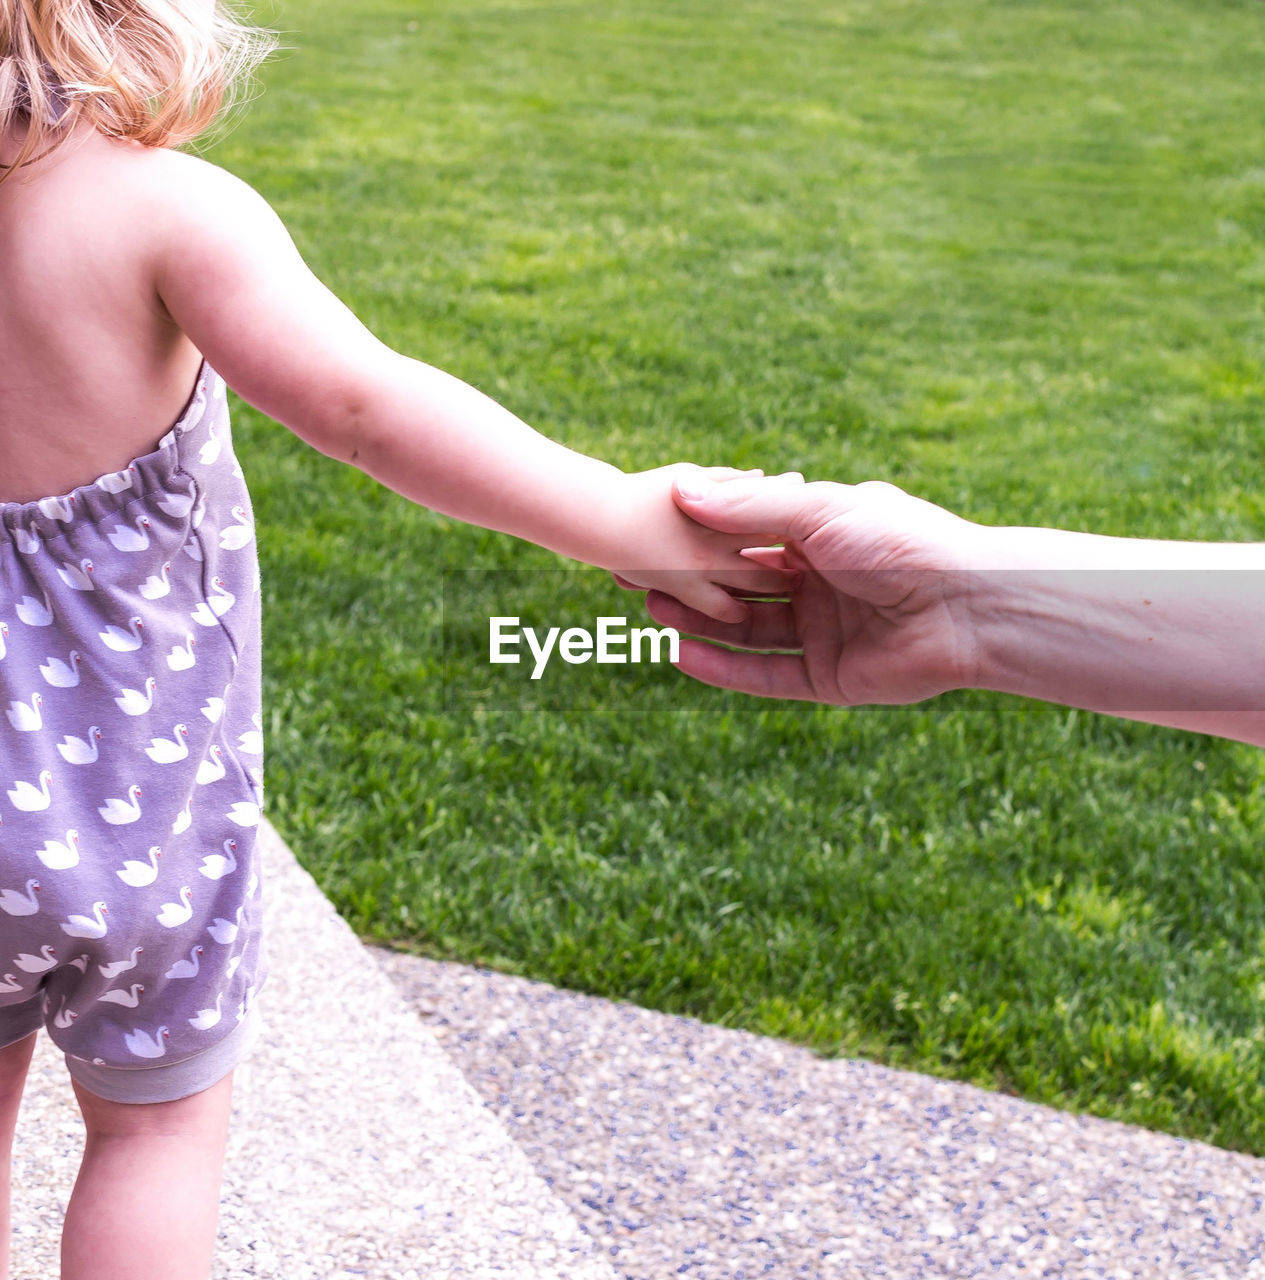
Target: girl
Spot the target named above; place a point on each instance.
(137, 282)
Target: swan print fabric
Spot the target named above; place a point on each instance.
(130, 766)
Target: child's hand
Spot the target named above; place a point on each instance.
(662, 549)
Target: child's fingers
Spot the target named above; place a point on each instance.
(714, 603)
(741, 581)
(758, 580)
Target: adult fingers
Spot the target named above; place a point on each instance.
(767, 675)
(722, 474)
(763, 507)
(768, 624)
(769, 557)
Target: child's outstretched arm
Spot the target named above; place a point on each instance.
(232, 280)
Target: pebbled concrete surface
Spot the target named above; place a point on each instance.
(698, 1151)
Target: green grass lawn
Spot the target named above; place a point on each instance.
(1010, 256)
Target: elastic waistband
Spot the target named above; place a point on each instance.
(163, 470)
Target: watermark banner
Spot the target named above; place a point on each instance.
(552, 639)
(1124, 641)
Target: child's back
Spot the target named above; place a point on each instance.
(92, 368)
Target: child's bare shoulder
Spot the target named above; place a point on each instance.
(141, 202)
(188, 194)
(205, 218)
(189, 177)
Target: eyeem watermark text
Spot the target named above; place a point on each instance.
(611, 643)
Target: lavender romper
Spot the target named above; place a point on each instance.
(130, 767)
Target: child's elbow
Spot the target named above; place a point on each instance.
(340, 418)
(339, 430)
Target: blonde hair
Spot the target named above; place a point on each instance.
(159, 72)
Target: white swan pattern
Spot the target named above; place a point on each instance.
(128, 999)
(16, 902)
(169, 750)
(174, 914)
(215, 866)
(27, 717)
(136, 702)
(115, 967)
(140, 874)
(158, 585)
(207, 1018)
(41, 963)
(105, 627)
(182, 657)
(123, 641)
(93, 926)
(77, 577)
(186, 968)
(119, 813)
(62, 675)
(81, 750)
(59, 856)
(34, 613)
(141, 1044)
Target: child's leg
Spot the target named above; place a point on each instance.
(14, 1060)
(147, 1199)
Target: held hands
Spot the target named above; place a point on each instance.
(662, 550)
(881, 613)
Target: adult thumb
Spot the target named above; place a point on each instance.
(773, 508)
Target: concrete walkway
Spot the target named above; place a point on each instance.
(693, 1150)
(408, 1119)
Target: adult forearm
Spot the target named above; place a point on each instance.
(1170, 633)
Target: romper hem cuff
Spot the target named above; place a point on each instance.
(169, 1082)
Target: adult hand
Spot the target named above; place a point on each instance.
(901, 600)
(880, 613)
